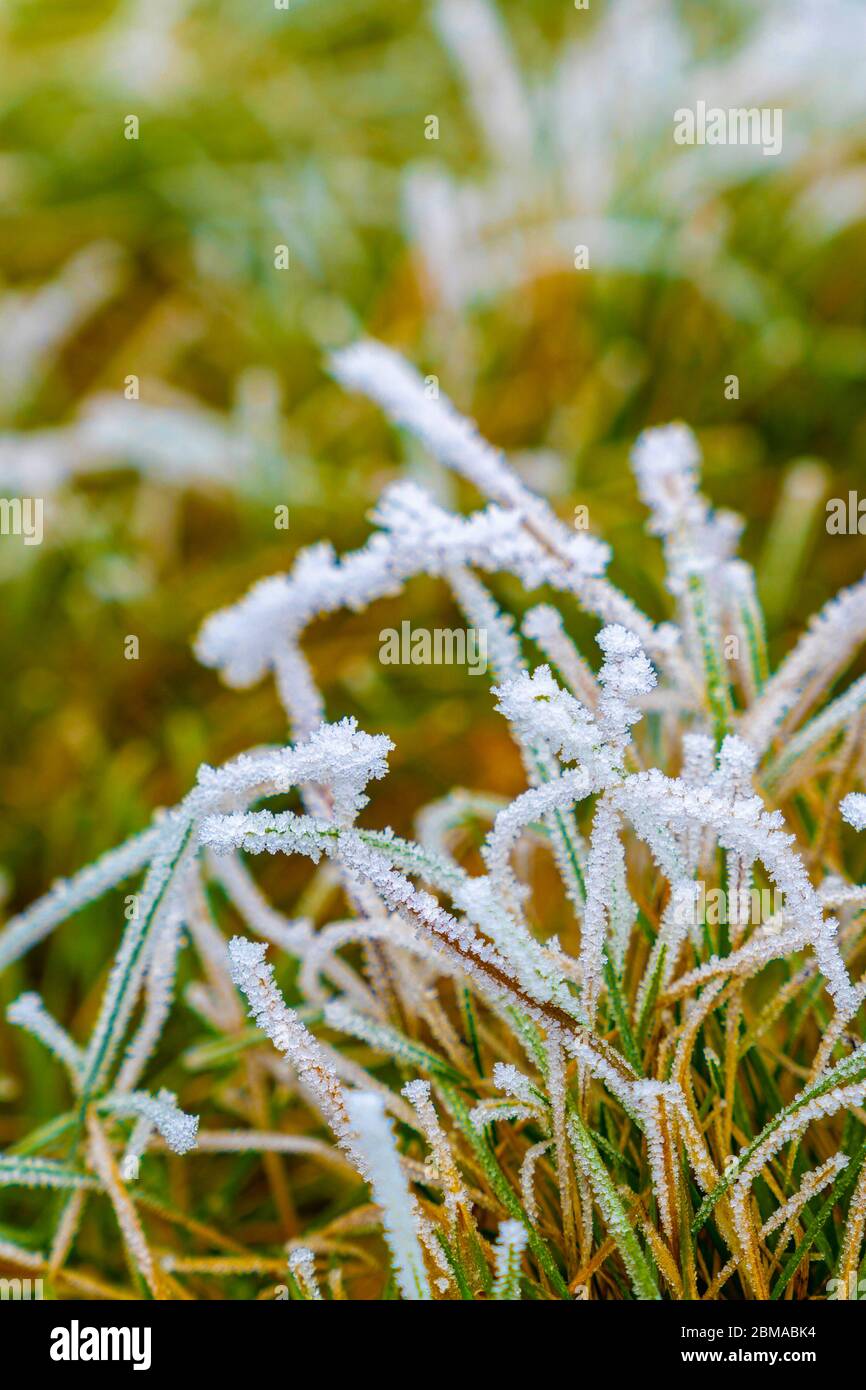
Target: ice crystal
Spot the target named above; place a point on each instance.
(853, 809)
(177, 1129)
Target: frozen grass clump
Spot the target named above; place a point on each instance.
(671, 1109)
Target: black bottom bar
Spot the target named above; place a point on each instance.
(78, 1339)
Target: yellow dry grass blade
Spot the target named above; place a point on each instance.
(138, 1251)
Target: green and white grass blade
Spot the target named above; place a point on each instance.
(850, 1070)
(715, 681)
(838, 715)
(620, 1015)
(391, 1041)
(501, 1187)
(616, 1218)
(40, 1172)
(508, 1254)
(71, 895)
(126, 974)
(749, 619)
(838, 1195)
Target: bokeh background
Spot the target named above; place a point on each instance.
(308, 128)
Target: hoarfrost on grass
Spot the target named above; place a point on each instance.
(645, 777)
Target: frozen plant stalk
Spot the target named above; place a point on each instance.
(373, 1135)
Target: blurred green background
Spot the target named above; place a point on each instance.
(307, 127)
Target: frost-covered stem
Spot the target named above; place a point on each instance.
(786, 1215)
(18, 1255)
(651, 800)
(69, 896)
(543, 624)
(300, 698)
(29, 1012)
(791, 1128)
(484, 614)
(159, 995)
(748, 623)
(536, 804)
(812, 1184)
(498, 980)
(255, 979)
(652, 1099)
(695, 1018)
(320, 959)
(527, 1177)
(541, 763)
(453, 1189)
(615, 1216)
(715, 680)
(852, 1240)
(794, 756)
(556, 1090)
(66, 1231)
(600, 871)
(829, 644)
(382, 375)
(125, 979)
(678, 916)
(739, 878)
(255, 1141)
(130, 1227)
(373, 1136)
(136, 1146)
(508, 1255)
(303, 1266)
(478, 41)
(835, 1030)
(229, 870)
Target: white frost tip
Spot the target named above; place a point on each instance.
(853, 809)
(665, 463)
(303, 1266)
